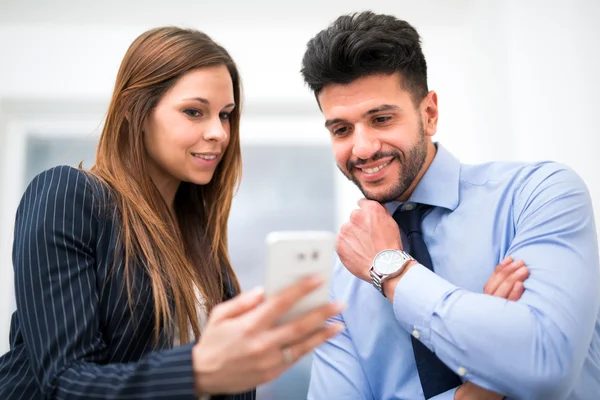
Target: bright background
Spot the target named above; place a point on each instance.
(517, 80)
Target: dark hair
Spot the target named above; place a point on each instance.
(363, 44)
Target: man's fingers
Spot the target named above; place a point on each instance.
(517, 291)
(366, 203)
(362, 202)
(507, 260)
(506, 287)
(239, 305)
(470, 390)
(502, 271)
(496, 278)
(355, 216)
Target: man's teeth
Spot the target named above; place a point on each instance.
(205, 157)
(373, 170)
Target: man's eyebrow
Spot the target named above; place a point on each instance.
(330, 122)
(383, 107)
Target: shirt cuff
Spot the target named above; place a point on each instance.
(416, 297)
(177, 366)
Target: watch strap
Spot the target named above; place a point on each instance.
(377, 279)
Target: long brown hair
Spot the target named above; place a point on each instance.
(192, 251)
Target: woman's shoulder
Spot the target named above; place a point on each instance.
(67, 184)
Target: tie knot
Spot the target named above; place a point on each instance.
(409, 220)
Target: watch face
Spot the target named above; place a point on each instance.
(388, 262)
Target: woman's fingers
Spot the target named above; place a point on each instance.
(303, 326)
(239, 305)
(299, 350)
(272, 309)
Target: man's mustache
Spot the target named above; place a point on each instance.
(351, 164)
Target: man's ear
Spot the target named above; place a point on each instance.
(429, 113)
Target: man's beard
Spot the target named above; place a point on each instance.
(408, 169)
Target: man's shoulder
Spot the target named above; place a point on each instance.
(522, 183)
(494, 173)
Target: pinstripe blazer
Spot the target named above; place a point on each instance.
(73, 335)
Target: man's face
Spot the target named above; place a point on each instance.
(381, 141)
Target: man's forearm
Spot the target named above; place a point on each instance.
(510, 346)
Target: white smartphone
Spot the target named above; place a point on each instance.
(292, 255)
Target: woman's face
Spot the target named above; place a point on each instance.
(187, 133)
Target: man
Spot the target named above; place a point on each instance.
(433, 329)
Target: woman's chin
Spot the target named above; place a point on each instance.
(200, 179)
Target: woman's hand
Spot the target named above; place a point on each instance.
(243, 347)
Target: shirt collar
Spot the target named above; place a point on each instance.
(439, 185)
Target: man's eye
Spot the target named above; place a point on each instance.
(340, 131)
(382, 120)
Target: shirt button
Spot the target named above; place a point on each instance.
(409, 207)
(462, 371)
(416, 334)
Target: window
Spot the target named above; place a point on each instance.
(285, 185)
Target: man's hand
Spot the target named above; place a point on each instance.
(470, 391)
(370, 230)
(506, 282)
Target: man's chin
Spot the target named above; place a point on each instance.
(380, 191)
(379, 196)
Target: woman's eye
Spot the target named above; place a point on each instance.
(191, 112)
(225, 116)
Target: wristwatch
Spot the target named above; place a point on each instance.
(388, 264)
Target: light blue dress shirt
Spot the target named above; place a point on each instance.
(544, 346)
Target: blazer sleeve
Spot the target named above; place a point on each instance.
(55, 276)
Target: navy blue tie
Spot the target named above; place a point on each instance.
(435, 376)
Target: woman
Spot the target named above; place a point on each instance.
(123, 282)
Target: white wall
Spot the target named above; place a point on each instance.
(516, 80)
(6, 286)
(553, 77)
